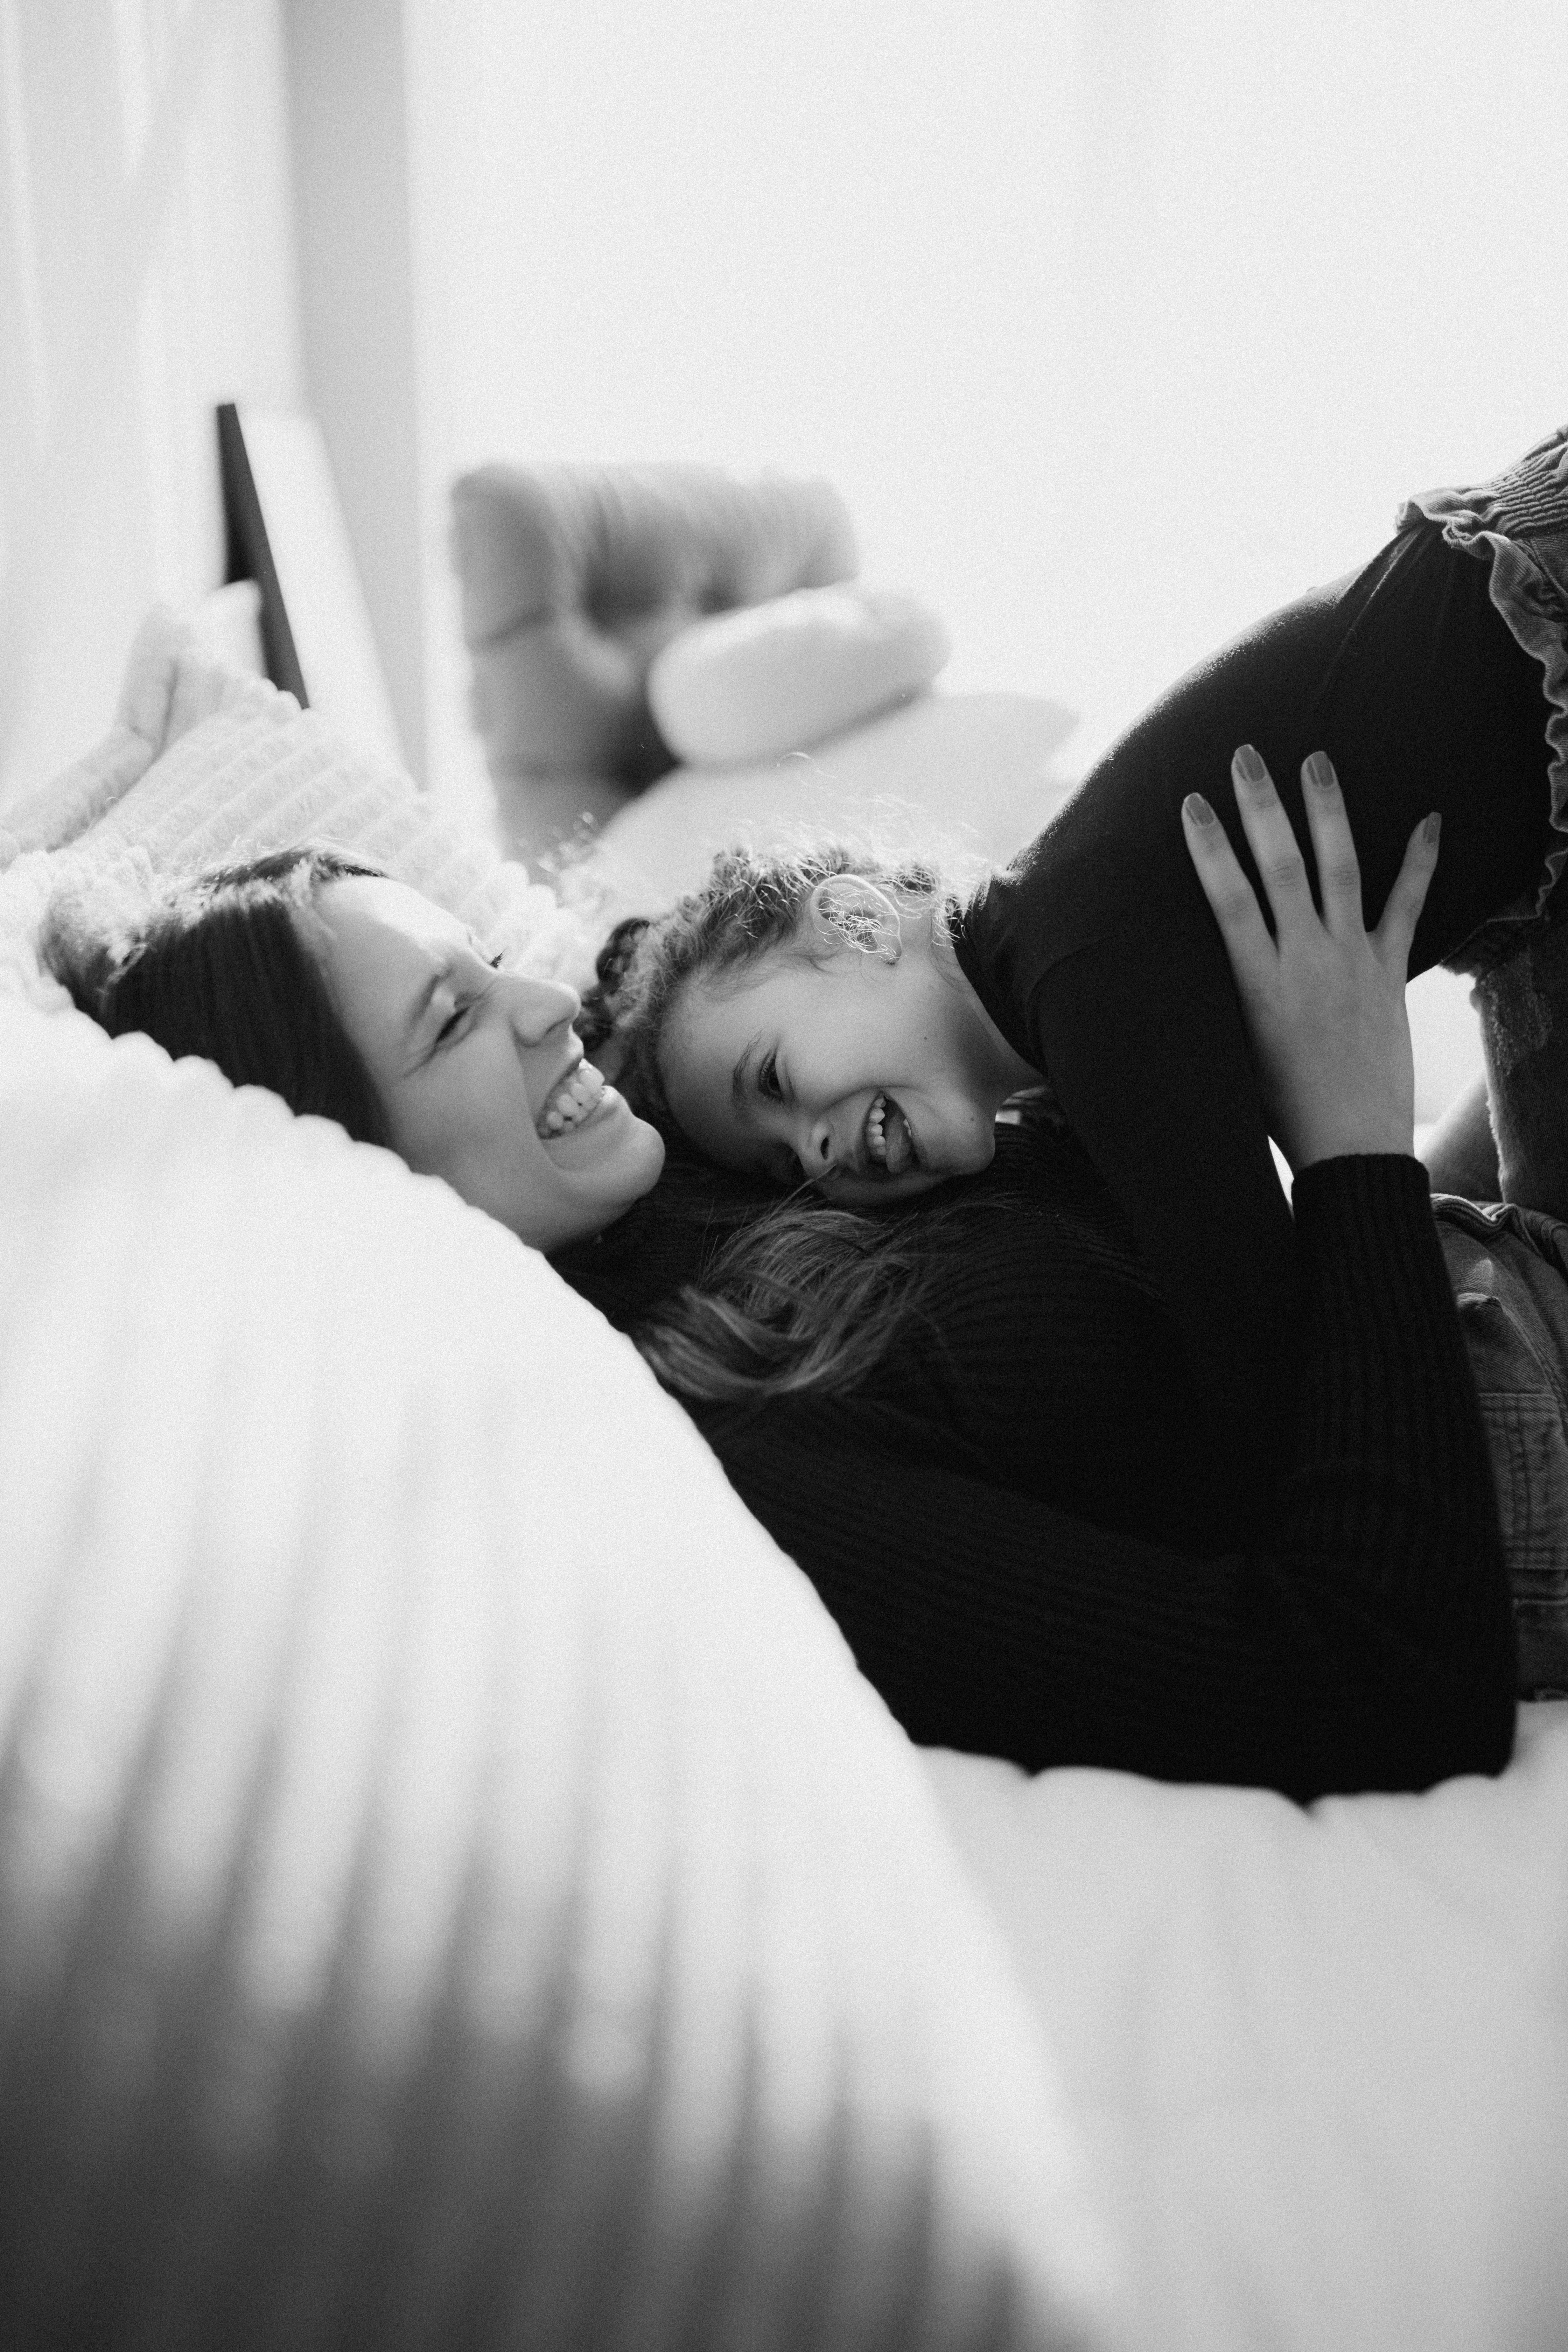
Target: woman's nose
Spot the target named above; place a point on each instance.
(537, 1007)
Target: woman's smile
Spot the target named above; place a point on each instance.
(572, 1102)
(479, 1072)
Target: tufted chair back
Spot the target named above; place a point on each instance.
(574, 577)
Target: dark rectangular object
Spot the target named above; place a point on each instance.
(249, 553)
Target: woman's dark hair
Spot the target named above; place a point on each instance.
(737, 1295)
(217, 965)
(791, 1296)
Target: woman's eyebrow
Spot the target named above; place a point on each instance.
(739, 1086)
(412, 1015)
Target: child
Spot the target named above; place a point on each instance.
(1437, 675)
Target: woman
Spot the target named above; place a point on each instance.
(1366, 1641)
(344, 992)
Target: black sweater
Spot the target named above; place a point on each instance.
(1027, 1524)
(1009, 1522)
(1097, 955)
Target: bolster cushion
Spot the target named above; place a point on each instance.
(783, 675)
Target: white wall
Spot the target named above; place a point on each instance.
(349, 117)
(1118, 322)
(146, 273)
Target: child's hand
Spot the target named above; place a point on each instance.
(1324, 1002)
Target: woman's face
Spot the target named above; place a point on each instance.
(479, 1072)
(879, 1079)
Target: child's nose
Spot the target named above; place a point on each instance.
(817, 1155)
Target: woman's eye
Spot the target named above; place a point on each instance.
(451, 1025)
(768, 1079)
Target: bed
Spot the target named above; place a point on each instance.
(454, 1886)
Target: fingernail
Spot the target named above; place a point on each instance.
(1195, 807)
(1248, 766)
(1433, 826)
(1319, 771)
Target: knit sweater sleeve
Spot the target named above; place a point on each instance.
(1368, 1644)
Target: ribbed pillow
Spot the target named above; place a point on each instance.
(204, 765)
(455, 1889)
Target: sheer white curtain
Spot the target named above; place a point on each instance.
(146, 272)
(1116, 321)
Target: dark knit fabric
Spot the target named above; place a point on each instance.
(1369, 1646)
(1011, 1526)
(1098, 957)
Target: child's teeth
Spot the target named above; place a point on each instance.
(876, 1139)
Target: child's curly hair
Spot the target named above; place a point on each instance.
(751, 902)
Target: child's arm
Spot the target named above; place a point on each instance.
(1096, 954)
(1460, 1152)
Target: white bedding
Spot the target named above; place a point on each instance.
(454, 1886)
(1317, 2062)
(1319, 2058)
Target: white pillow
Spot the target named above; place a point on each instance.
(205, 764)
(780, 675)
(454, 1886)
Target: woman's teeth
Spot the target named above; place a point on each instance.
(573, 1102)
(889, 1144)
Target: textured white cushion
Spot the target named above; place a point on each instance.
(454, 1886)
(204, 765)
(781, 675)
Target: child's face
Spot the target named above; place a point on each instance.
(881, 1078)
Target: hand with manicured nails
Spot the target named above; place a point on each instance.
(1324, 999)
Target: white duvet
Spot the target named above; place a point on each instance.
(1308, 2069)
(1320, 2057)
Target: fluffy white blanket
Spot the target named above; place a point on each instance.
(1320, 2057)
(366, 1728)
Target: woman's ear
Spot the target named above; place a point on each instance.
(849, 910)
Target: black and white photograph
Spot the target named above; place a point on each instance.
(783, 1176)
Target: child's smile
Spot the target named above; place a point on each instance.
(889, 1140)
(878, 1080)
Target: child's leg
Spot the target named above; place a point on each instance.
(1509, 1267)
(1460, 1149)
(1523, 1004)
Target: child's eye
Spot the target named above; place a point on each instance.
(768, 1079)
